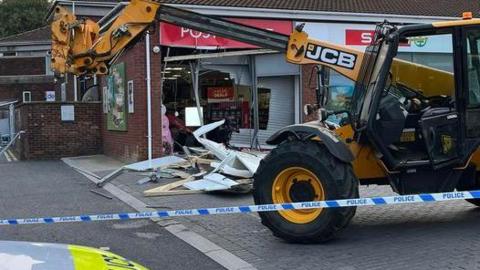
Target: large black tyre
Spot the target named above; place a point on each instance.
(336, 177)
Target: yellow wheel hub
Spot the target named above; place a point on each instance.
(297, 184)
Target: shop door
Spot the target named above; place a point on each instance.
(276, 109)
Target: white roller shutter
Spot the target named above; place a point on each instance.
(282, 109)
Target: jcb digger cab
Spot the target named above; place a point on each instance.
(417, 102)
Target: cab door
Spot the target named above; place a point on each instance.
(441, 123)
(427, 63)
(471, 87)
(442, 136)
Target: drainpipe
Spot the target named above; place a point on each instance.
(149, 98)
(75, 86)
(11, 111)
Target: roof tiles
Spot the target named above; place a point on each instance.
(446, 8)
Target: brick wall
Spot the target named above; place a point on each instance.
(47, 137)
(22, 66)
(131, 145)
(15, 91)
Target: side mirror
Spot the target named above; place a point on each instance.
(323, 114)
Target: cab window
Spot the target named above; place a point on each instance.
(420, 85)
(473, 68)
(340, 97)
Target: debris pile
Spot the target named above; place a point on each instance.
(212, 168)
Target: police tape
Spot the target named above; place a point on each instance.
(373, 201)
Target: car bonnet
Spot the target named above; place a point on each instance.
(43, 256)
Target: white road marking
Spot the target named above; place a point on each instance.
(7, 156)
(12, 155)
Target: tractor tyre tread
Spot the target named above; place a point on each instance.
(336, 176)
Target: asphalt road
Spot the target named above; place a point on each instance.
(50, 188)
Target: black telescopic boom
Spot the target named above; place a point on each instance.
(224, 28)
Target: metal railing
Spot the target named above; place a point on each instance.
(11, 142)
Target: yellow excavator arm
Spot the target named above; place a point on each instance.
(80, 47)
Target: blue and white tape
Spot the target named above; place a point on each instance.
(373, 201)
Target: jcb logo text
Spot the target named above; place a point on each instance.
(331, 56)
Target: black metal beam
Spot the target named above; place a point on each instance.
(224, 28)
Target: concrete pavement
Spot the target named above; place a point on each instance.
(35, 189)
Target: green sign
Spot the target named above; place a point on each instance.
(420, 41)
(116, 99)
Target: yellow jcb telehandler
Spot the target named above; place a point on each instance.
(412, 121)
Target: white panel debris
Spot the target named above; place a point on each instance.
(232, 170)
(154, 163)
(211, 182)
(240, 160)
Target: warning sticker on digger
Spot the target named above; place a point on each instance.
(373, 201)
(408, 135)
(447, 144)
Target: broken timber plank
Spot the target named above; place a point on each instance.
(161, 190)
(203, 160)
(178, 173)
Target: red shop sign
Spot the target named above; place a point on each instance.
(220, 92)
(358, 37)
(361, 37)
(176, 36)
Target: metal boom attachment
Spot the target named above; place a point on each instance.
(224, 28)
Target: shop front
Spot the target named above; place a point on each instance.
(255, 90)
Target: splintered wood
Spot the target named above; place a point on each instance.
(171, 189)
